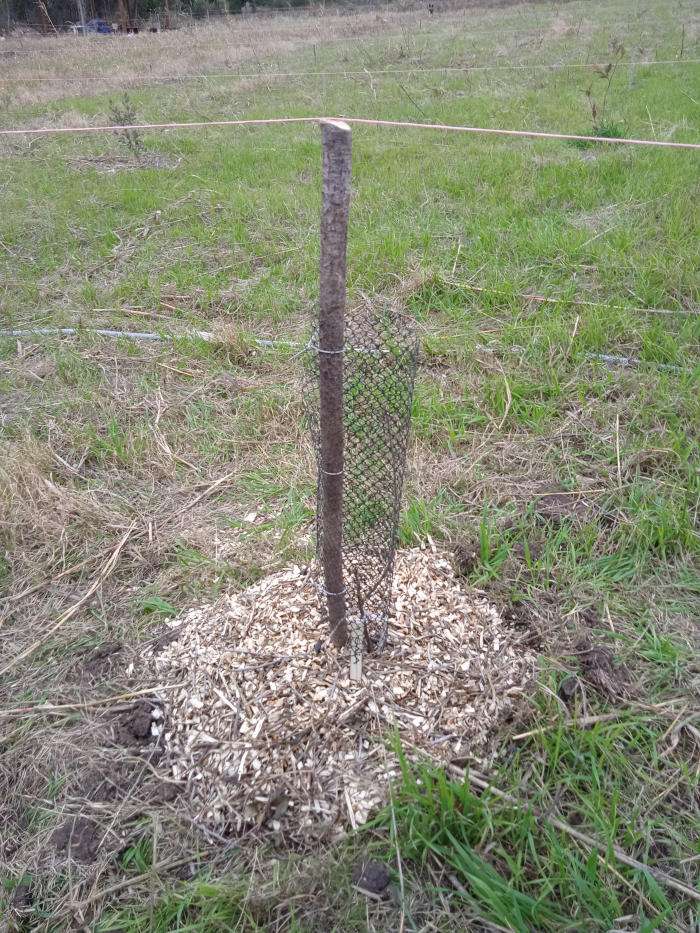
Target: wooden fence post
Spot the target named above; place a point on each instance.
(331, 336)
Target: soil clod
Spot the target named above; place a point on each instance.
(100, 662)
(466, 558)
(79, 838)
(602, 671)
(139, 726)
(372, 876)
(21, 897)
(557, 507)
(568, 688)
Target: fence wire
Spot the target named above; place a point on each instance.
(380, 358)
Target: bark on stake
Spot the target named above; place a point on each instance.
(331, 334)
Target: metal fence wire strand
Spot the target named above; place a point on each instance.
(380, 359)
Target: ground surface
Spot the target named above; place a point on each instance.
(139, 479)
(268, 730)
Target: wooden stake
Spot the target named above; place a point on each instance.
(331, 335)
(83, 18)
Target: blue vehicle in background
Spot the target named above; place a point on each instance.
(93, 27)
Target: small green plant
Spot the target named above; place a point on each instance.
(138, 856)
(124, 114)
(602, 125)
(609, 130)
(157, 606)
(493, 552)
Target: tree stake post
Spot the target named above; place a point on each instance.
(331, 338)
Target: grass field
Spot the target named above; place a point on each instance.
(555, 445)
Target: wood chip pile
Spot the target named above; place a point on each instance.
(269, 730)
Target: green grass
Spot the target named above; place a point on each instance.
(534, 877)
(569, 484)
(200, 906)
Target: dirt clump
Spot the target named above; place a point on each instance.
(139, 726)
(557, 507)
(79, 838)
(602, 671)
(465, 558)
(21, 898)
(104, 785)
(164, 791)
(568, 688)
(371, 875)
(100, 662)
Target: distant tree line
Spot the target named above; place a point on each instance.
(48, 15)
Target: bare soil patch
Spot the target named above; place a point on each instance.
(103, 660)
(79, 837)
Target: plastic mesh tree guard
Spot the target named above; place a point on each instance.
(379, 365)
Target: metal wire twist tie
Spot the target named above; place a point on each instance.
(321, 588)
(312, 346)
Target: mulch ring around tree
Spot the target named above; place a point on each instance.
(266, 729)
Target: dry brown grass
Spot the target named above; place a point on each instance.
(67, 500)
(74, 66)
(77, 66)
(60, 526)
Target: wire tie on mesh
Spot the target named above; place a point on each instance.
(313, 346)
(331, 472)
(321, 588)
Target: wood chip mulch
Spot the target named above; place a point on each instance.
(270, 732)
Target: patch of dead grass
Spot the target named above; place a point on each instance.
(76, 67)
